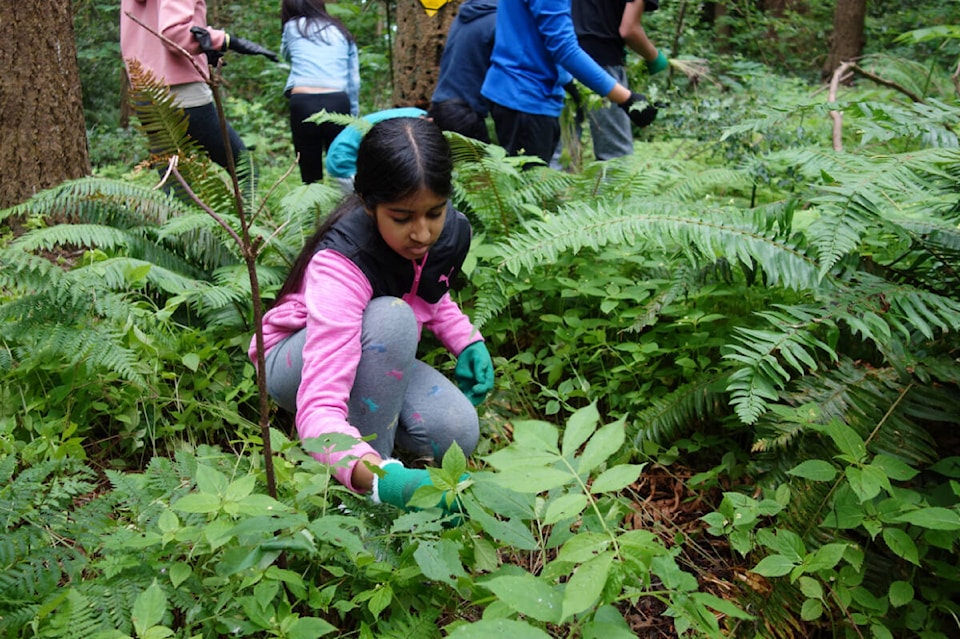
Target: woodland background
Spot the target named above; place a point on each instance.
(728, 383)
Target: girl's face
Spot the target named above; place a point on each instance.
(411, 226)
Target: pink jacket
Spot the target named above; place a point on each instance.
(338, 294)
(172, 19)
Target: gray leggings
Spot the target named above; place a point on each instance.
(395, 396)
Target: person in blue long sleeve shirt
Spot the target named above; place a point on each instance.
(535, 44)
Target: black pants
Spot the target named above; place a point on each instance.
(312, 140)
(526, 133)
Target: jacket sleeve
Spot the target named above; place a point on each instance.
(556, 27)
(336, 293)
(175, 19)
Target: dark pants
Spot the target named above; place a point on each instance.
(525, 133)
(312, 140)
(458, 116)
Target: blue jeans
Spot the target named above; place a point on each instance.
(403, 401)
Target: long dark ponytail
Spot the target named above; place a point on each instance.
(317, 17)
(396, 158)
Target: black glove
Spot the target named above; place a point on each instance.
(641, 112)
(242, 45)
(202, 36)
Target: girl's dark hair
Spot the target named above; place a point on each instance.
(317, 18)
(396, 158)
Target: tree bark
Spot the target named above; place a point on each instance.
(417, 50)
(847, 39)
(43, 139)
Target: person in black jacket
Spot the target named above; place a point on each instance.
(456, 104)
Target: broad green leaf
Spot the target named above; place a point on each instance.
(894, 468)
(149, 608)
(440, 561)
(846, 440)
(579, 427)
(824, 557)
(864, 485)
(532, 480)
(240, 488)
(487, 628)
(514, 455)
(536, 435)
(583, 547)
(811, 610)
(901, 544)
(157, 632)
(774, 566)
(810, 587)
(607, 623)
(512, 532)
(261, 505)
(616, 478)
(211, 481)
(814, 469)
(309, 628)
(900, 594)
(605, 442)
(584, 587)
(191, 361)
(179, 573)
(527, 595)
(935, 518)
(565, 507)
(382, 596)
(720, 605)
(197, 503)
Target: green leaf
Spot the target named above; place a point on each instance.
(901, 544)
(309, 628)
(814, 469)
(211, 481)
(774, 566)
(440, 560)
(191, 361)
(578, 429)
(525, 479)
(824, 558)
(380, 600)
(487, 628)
(607, 623)
(527, 595)
(583, 547)
(565, 507)
(179, 573)
(512, 532)
(149, 608)
(901, 593)
(584, 587)
(616, 478)
(894, 468)
(934, 518)
(605, 442)
(720, 605)
(846, 439)
(197, 503)
(811, 609)
(240, 488)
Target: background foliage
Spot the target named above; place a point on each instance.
(738, 311)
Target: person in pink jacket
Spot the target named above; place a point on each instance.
(340, 343)
(184, 22)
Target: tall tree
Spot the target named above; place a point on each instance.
(43, 140)
(421, 33)
(847, 39)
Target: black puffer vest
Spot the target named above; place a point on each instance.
(355, 236)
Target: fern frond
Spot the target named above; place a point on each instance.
(677, 414)
(661, 226)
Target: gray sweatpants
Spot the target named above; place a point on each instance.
(403, 401)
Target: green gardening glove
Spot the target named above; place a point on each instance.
(658, 64)
(474, 372)
(399, 483)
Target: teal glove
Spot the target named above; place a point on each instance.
(658, 64)
(398, 484)
(474, 372)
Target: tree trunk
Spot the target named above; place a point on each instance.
(43, 139)
(847, 40)
(417, 49)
